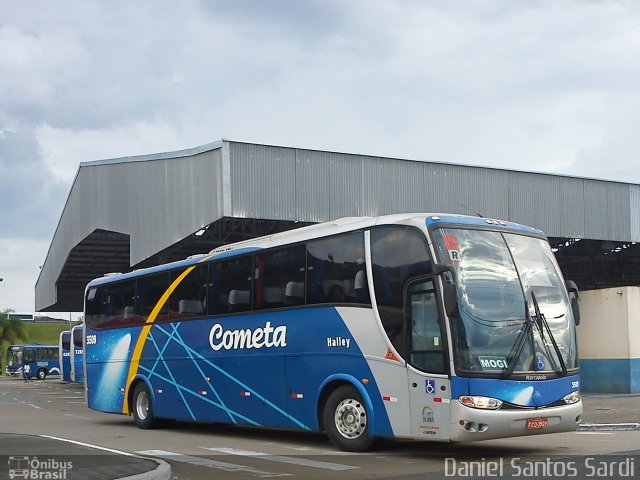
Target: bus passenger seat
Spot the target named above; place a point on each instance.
(294, 293)
(190, 306)
(273, 296)
(239, 300)
(128, 311)
(349, 289)
(360, 286)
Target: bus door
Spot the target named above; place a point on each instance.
(429, 386)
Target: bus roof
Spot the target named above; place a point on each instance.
(334, 227)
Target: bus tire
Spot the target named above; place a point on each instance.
(41, 374)
(142, 407)
(346, 418)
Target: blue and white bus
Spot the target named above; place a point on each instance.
(64, 353)
(42, 360)
(435, 327)
(76, 357)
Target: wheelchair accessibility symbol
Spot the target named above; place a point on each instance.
(540, 362)
(430, 386)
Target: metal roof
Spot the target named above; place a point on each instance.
(140, 211)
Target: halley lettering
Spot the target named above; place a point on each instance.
(260, 337)
(338, 342)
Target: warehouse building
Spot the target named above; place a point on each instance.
(128, 213)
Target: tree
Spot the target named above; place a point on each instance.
(11, 331)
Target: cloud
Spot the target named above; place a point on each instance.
(543, 86)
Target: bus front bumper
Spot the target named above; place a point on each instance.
(469, 424)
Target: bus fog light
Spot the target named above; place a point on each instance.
(573, 397)
(485, 403)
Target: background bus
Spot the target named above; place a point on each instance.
(64, 353)
(42, 360)
(76, 357)
(432, 327)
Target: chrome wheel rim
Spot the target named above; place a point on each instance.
(351, 418)
(142, 405)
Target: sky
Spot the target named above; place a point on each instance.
(544, 86)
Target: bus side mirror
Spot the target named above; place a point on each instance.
(450, 292)
(574, 295)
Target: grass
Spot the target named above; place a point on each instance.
(44, 333)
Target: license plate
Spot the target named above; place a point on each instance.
(536, 423)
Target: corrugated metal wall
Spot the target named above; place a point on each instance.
(157, 203)
(306, 185)
(634, 202)
(161, 199)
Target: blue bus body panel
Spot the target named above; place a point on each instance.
(524, 393)
(66, 366)
(78, 367)
(276, 386)
(65, 361)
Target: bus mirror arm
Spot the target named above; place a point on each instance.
(450, 292)
(450, 299)
(574, 295)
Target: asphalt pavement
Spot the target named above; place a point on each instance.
(51, 456)
(60, 459)
(611, 409)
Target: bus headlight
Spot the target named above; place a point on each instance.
(486, 403)
(573, 397)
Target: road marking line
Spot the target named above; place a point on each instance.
(34, 406)
(205, 462)
(594, 433)
(83, 402)
(281, 459)
(77, 397)
(119, 452)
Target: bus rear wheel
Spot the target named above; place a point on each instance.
(142, 407)
(346, 420)
(41, 374)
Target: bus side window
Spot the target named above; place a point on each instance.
(149, 290)
(189, 299)
(425, 339)
(279, 277)
(229, 287)
(397, 254)
(336, 271)
(106, 306)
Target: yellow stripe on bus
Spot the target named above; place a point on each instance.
(137, 351)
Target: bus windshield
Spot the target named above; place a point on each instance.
(503, 281)
(14, 356)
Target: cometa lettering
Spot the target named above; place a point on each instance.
(267, 337)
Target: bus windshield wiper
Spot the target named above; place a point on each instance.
(541, 322)
(516, 351)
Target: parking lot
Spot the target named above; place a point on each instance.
(194, 451)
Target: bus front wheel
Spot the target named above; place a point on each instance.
(346, 420)
(41, 374)
(142, 407)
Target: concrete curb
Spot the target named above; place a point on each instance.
(162, 472)
(608, 427)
